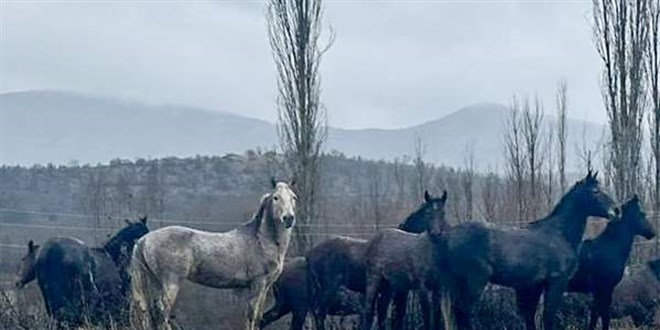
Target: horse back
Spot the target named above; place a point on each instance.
(338, 260)
(509, 256)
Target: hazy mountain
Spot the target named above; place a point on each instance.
(59, 127)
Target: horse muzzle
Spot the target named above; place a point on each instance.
(289, 221)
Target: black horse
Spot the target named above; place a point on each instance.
(290, 293)
(81, 284)
(339, 262)
(603, 259)
(540, 258)
(398, 261)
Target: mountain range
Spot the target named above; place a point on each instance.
(39, 127)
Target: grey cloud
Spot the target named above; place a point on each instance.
(393, 64)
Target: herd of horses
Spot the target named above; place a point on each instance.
(134, 279)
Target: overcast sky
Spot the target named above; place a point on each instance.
(393, 63)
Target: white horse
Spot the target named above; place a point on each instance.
(250, 258)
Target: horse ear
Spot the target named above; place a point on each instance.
(273, 182)
(143, 219)
(32, 247)
(427, 196)
(589, 174)
(444, 196)
(595, 174)
(292, 183)
(127, 222)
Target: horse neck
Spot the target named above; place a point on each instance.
(619, 237)
(416, 222)
(269, 234)
(114, 248)
(569, 218)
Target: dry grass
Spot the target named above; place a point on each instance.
(203, 308)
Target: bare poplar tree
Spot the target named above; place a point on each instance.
(515, 155)
(421, 171)
(467, 177)
(621, 37)
(562, 133)
(532, 132)
(294, 29)
(653, 64)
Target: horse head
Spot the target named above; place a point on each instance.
(27, 269)
(430, 216)
(633, 215)
(120, 246)
(592, 200)
(280, 204)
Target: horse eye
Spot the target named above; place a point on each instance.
(276, 198)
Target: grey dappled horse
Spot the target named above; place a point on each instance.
(249, 257)
(398, 261)
(537, 259)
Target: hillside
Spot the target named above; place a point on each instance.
(61, 127)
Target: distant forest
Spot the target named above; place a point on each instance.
(357, 196)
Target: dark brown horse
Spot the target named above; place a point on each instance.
(79, 283)
(603, 259)
(538, 259)
(398, 261)
(290, 293)
(339, 262)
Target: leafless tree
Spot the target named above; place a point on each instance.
(490, 196)
(94, 198)
(467, 176)
(621, 33)
(515, 155)
(550, 183)
(375, 190)
(562, 133)
(653, 67)
(421, 168)
(532, 137)
(294, 29)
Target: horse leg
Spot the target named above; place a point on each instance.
(319, 316)
(552, 299)
(298, 320)
(383, 304)
(436, 309)
(466, 294)
(168, 297)
(425, 303)
(593, 315)
(274, 314)
(400, 305)
(370, 295)
(603, 301)
(255, 296)
(527, 300)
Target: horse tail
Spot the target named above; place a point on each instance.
(142, 286)
(313, 285)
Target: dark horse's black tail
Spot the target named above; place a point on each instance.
(313, 290)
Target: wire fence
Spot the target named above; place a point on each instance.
(161, 221)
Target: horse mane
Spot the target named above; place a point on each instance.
(414, 215)
(556, 209)
(252, 226)
(113, 245)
